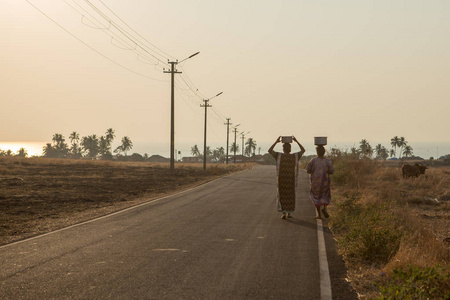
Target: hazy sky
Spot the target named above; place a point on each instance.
(344, 69)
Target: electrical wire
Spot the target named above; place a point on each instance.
(190, 92)
(191, 85)
(122, 31)
(135, 31)
(90, 47)
(107, 30)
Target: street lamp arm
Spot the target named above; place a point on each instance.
(214, 96)
(189, 57)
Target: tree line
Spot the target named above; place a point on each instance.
(91, 146)
(365, 150)
(218, 154)
(22, 152)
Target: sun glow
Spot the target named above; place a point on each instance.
(32, 148)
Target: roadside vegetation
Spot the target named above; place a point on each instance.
(99, 147)
(393, 233)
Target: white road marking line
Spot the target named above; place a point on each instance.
(169, 249)
(325, 282)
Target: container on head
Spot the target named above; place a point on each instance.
(320, 140)
(286, 139)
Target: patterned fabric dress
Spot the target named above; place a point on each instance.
(319, 170)
(287, 170)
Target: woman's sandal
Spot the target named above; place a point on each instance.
(325, 213)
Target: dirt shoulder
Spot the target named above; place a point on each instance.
(39, 195)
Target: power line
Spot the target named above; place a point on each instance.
(110, 22)
(192, 88)
(90, 47)
(173, 58)
(110, 33)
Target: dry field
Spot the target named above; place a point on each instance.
(383, 222)
(38, 195)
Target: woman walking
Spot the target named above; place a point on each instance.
(320, 169)
(287, 170)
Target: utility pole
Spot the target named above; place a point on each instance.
(173, 71)
(235, 132)
(243, 137)
(228, 135)
(206, 105)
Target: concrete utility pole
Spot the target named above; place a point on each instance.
(235, 132)
(228, 135)
(206, 105)
(243, 137)
(173, 71)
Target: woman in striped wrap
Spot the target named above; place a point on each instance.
(287, 170)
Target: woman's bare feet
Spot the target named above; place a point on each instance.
(325, 212)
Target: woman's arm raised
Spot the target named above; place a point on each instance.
(273, 146)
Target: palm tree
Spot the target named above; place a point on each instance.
(384, 153)
(90, 145)
(48, 151)
(109, 136)
(234, 147)
(74, 138)
(218, 153)
(221, 151)
(401, 144)
(394, 143)
(208, 151)
(103, 146)
(22, 152)
(408, 151)
(378, 150)
(250, 147)
(126, 145)
(59, 144)
(392, 153)
(195, 152)
(365, 147)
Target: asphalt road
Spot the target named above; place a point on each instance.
(222, 240)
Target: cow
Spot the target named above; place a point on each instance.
(413, 170)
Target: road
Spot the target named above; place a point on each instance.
(222, 240)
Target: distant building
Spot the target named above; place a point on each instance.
(191, 159)
(158, 158)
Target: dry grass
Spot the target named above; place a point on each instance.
(410, 216)
(38, 195)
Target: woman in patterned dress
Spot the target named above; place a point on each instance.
(287, 170)
(320, 169)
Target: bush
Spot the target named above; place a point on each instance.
(351, 172)
(417, 283)
(368, 232)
